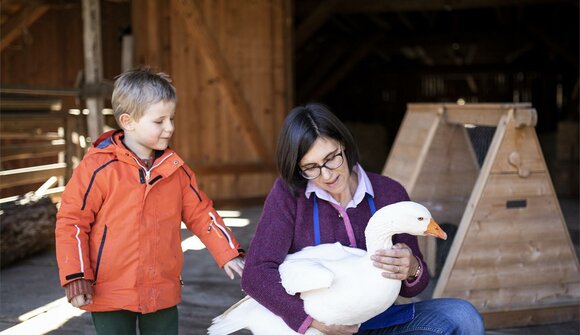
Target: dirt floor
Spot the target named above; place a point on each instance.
(31, 300)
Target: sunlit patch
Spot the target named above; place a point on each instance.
(236, 222)
(229, 214)
(52, 316)
(192, 243)
(231, 219)
(45, 319)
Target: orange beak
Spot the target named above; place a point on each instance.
(434, 230)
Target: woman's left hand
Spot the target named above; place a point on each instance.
(397, 262)
(235, 265)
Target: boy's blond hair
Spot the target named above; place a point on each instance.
(136, 90)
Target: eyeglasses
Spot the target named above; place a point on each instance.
(331, 164)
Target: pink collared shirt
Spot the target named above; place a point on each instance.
(364, 186)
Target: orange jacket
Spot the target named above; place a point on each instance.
(119, 226)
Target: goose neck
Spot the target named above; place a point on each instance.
(375, 243)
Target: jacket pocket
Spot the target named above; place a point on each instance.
(100, 253)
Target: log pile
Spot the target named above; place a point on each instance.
(26, 227)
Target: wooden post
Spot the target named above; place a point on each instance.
(93, 64)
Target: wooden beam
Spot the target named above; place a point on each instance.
(314, 21)
(288, 38)
(235, 169)
(93, 57)
(23, 19)
(217, 63)
(361, 52)
(25, 151)
(422, 5)
(31, 175)
(553, 44)
(531, 316)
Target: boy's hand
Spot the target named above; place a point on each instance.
(81, 300)
(235, 265)
(79, 292)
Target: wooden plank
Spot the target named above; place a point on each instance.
(537, 271)
(530, 316)
(511, 185)
(513, 253)
(505, 299)
(38, 125)
(404, 160)
(466, 220)
(29, 135)
(482, 107)
(24, 151)
(226, 81)
(24, 176)
(287, 59)
(30, 104)
(524, 142)
(235, 168)
(23, 19)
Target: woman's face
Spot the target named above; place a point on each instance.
(326, 151)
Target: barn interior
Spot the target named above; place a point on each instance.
(240, 66)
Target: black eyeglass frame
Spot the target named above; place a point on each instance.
(339, 154)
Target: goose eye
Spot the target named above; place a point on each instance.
(420, 218)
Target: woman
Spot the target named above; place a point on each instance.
(324, 196)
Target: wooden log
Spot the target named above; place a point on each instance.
(25, 228)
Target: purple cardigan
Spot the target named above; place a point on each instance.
(286, 227)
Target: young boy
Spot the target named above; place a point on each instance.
(118, 228)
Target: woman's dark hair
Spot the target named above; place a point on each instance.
(303, 125)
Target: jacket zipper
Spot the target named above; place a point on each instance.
(148, 172)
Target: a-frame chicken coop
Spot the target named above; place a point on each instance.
(512, 255)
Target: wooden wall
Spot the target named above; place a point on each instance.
(230, 62)
(49, 54)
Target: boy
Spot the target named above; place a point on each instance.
(118, 228)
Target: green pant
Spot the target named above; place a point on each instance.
(162, 322)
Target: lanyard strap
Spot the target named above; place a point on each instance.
(316, 222)
(316, 219)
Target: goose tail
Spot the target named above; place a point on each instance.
(233, 319)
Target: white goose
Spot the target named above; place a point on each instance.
(338, 284)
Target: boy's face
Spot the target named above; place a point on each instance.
(152, 131)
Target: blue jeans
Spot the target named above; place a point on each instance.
(438, 316)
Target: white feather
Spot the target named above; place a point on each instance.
(339, 285)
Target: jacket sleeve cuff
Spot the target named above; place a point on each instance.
(69, 278)
(305, 325)
(222, 259)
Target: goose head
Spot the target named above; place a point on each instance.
(402, 217)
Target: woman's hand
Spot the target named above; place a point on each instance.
(334, 329)
(235, 265)
(398, 262)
